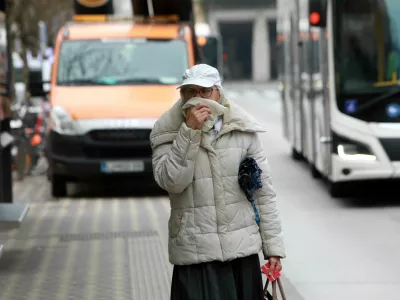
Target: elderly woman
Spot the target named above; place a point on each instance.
(214, 239)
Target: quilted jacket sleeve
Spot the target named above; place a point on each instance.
(173, 163)
(270, 223)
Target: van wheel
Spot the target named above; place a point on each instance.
(58, 186)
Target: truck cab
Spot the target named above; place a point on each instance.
(112, 79)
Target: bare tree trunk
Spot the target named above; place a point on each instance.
(25, 72)
(12, 12)
(24, 37)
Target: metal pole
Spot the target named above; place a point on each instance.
(6, 183)
(42, 37)
(150, 8)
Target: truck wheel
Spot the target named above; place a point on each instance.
(58, 186)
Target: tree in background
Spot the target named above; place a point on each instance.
(24, 17)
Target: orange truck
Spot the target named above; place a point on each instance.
(112, 78)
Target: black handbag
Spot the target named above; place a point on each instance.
(249, 178)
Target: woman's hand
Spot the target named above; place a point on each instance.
(275, 262)
(196, 116)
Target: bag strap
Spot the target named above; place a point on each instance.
(267, 294)
(281, 289)
(274, 295)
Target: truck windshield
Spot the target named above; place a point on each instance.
(122, 62)
(367, 46)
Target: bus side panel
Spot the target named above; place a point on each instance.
(319, 106)
(327, 50)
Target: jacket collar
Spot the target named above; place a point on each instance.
(235, 119)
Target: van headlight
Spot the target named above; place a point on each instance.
(61, 121)
(348, 149)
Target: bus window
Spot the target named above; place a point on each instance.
(367, 45)
(316, 67)
(304, 55)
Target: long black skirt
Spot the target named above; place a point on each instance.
(239, 279)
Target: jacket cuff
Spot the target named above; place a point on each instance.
(189, 140)
(274, 249)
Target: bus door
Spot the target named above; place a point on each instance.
(295, 88)
(314, 95)
(325, 139)
(305, 93)
(320, 86)
(282, 56)
(304, 89)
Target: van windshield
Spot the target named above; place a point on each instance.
(122, 62)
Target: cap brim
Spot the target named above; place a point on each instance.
(197, 81)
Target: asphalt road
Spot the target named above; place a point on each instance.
(337, 249)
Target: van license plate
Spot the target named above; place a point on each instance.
(130, 166)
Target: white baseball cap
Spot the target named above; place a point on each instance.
(201, 75)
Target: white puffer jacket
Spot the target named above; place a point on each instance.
(211, 218)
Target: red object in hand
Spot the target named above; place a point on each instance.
(265, 269)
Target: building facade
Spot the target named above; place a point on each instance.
(248, 31)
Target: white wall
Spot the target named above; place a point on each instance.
(261, 45)
(3, 37)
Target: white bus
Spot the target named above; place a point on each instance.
(339, 69)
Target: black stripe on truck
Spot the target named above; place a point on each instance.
(93, 7)
(182, 8)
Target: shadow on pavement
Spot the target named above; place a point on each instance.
(372, 194)
(116, 190)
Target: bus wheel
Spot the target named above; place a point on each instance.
(58, 186)
(296, 155)
(314, 172)
(336, 189)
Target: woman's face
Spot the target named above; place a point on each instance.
(191, 91)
